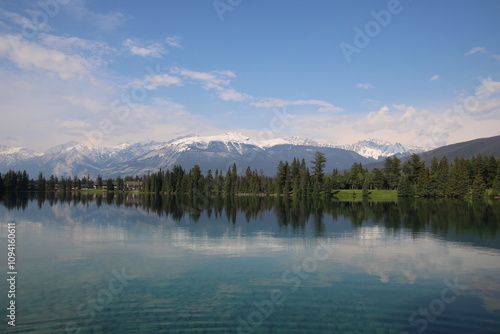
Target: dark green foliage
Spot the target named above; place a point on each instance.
(365, 191)
(392, 171)
(378, 180)
(413, 167)
(495, 190)
(478, 187)
(109, 185)
(294, 179)
(319, 163)
(405, 187)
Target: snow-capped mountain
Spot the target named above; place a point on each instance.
(9, 155)
(377, 149)
(209, 152)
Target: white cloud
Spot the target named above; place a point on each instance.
(152, 50)
(477, 49)
(174, 41)
(277, 103)
(435, 77)
(86, 103)
(74, 124)
(219, 81)
(31, 56)
(364, 85)
(398, 123)
(109, 21)
(97, 53)
(22, 21)
(229, 94)
(152, 82)
(488, 87)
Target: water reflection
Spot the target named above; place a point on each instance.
(202, 263)
(478, 218)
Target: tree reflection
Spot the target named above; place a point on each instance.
(442, 216)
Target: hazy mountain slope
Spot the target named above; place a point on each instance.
(468, 149)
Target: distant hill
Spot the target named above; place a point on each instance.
(468, 149)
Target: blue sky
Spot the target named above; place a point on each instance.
(419, 72)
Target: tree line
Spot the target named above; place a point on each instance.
(460, 178)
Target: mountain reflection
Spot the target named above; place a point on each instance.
(478, 218)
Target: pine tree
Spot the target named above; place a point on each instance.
(365, 191)
(495, 190)
(423, 183)
(392, 171)
(378, 181)
(440, 178)
(458, 179)
(209, 183)
(98, 182)
(478, 187)
(405, 187)
(412, 168)
(110, 186)
(319, 163)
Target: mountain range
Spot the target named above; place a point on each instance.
(209, 152)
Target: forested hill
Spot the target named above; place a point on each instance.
(466, 150)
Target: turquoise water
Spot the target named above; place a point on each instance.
(265, 266)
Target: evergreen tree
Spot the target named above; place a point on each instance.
(228, 183)
(440, 181)
(120, 184)
(319, 163)
(423, 184)
(405, 187)
(357, 176)
(378, 181)
(42, 183)
(2, 188)
(495, 190)
(365, 191)
(209, 183)
(412, 168)
(458, 179)
(490, 170)
(98, 182)
(234, 181)
(109, 185)
(392, 171)
(478, 187)
(304, 179)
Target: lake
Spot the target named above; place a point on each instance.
(152, 264)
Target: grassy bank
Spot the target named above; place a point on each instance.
(371, 193)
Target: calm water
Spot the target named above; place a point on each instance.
(253, 265)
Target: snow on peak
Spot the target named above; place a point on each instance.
(121, 146)
(294, 140)
(376, 148)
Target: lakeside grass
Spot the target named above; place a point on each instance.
(357, 193)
